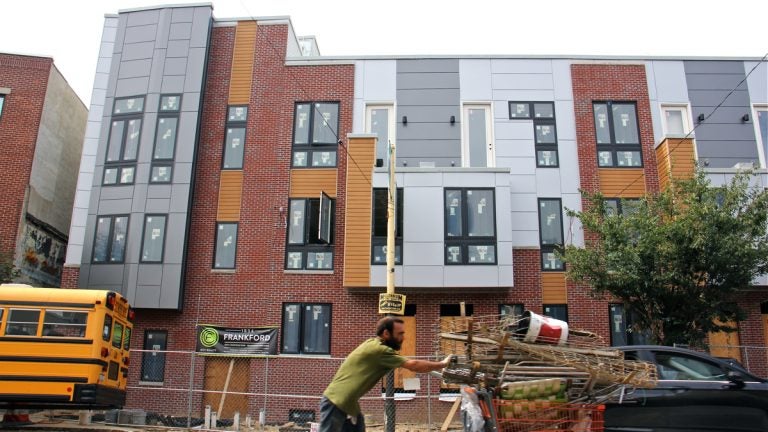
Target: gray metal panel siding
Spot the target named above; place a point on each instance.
(428, 95)
(158, 60)
(723, 140)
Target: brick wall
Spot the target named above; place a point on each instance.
(27, 77)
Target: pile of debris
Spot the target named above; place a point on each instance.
(535, 367)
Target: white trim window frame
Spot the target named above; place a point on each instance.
(760, 120)
(467, 121)
(685, 119)
(372, 125)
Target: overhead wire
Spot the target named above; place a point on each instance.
(679, 141)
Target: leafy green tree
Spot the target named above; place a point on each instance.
(676, 259)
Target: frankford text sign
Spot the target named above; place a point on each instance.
(236, 341)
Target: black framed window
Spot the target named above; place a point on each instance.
(308, 246)
(306, 328)
(551, 233)
(165, 139)
(544, 129)
(470, 226)
(622, 331)
(124, 140)
(379, 231)
(226, 245)
(315, 134)
(514, 310)
(153, 240)
(2, 104)
(153, 358)
(109, 241)
(556, 311)
(620, 206)
(617, 134)
(234, 140)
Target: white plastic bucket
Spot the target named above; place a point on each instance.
(543, 329)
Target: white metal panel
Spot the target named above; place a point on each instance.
(424, 253)
(475, 79)
(525, 220)
(569, 166)
(515, 148)
(561, 78)
(379, 80)
(522, 184)
(524, 95)
(548, 182)
(471, 276)
(525, 238)
(669, 81)
(757, 82)
(423, 276)
(521, 66)
(520, 81)
(423, 214)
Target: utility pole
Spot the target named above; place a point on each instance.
(389, 405)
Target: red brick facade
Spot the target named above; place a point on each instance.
(27, 77)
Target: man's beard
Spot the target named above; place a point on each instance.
(392, 343)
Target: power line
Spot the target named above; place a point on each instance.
(699, 123)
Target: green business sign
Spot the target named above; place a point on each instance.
(253, 341)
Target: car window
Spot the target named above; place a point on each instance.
(672, 366)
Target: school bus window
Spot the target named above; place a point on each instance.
(22, 322)
(117, 335)
(127, 339)
(59, 323)
(107, 330)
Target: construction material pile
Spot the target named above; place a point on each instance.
(537, 368)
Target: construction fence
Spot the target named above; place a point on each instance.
(174, 388)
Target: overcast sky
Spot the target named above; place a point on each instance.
(70, 31)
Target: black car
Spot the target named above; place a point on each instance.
(695, 392)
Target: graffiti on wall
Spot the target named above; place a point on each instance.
(43, 254)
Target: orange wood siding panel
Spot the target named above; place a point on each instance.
(675, 159)
(622, 182)
(242, 63)
(230, 195)
(308, 183)
(553, 288)
(357, 233)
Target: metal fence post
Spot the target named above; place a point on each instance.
(191, 392)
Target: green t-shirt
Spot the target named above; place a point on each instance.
(362, 369)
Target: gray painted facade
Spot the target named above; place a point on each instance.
(156, 52)
(723, 140)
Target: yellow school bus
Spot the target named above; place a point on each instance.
(63, 348)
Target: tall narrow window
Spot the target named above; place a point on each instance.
(618, 138)
(470, 226)
(550, 233)
(761, 123)
(154, 238)
(379, 240)
(315, 134)
(477, 142)
(306, 328)
(622, 331)
(226, 245)
(234, 140)
(153, 357)
(307, 248)
(165, 139)
(2, 104)
(123, 145)
(109, 241)
(380, 120)
(544, 129)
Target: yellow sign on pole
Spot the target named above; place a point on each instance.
(391, 304)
